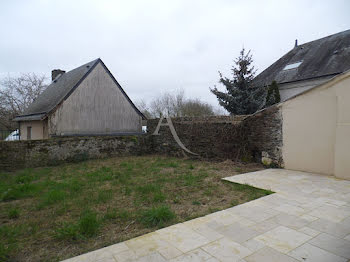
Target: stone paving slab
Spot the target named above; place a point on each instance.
(307, 219)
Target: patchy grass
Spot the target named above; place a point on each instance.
(49, 214)
(157, 216)
(13, 213)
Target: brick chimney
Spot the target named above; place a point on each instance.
(56, 72)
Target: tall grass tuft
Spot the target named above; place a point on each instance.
(157, 216)
(89, 223)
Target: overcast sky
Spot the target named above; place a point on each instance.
(157, 46)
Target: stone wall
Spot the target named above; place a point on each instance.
(264, 136)
(221, 139)
(256, 137)
(33, 153)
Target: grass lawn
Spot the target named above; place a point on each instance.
(53, 213)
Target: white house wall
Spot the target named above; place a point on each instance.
(316, 130)
(342, 142)
(37, 130)
(97, 106)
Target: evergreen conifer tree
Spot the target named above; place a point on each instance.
(273, 94)
(241, 98)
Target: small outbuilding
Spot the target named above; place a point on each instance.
(87, 100)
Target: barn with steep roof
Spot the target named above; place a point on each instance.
(87, 100)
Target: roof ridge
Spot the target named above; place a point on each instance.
(321, 57)
(322, 38)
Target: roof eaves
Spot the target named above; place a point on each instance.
(310, 78)
(30, 117)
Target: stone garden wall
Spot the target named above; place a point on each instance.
(221, 138)
(249, 138)
(33, 153)
(256, 137)
(264, 136)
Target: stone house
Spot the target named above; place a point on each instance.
(87, 100)
(308, 65)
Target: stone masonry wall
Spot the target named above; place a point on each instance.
(222, 139)
(33, 153)
(264, 136)
(256, 137)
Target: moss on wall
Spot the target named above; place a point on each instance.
(244, 138)
(20, 154)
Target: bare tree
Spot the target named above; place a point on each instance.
(16, 94)
(169, 103)
(175, 105)
(195, 107)
(142, 106)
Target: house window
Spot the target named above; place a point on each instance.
(29, 132)
(292, 66)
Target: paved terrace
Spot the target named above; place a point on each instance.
(307, 219)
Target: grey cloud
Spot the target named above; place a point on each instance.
(154, 46)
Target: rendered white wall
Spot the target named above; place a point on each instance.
(316, 129)
(37, 129)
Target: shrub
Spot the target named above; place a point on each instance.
(157, 216)
(88, 223)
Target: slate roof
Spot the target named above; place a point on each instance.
(60, 89)
(323, 57)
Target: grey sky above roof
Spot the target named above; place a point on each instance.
(322, 57)
(156, 46)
